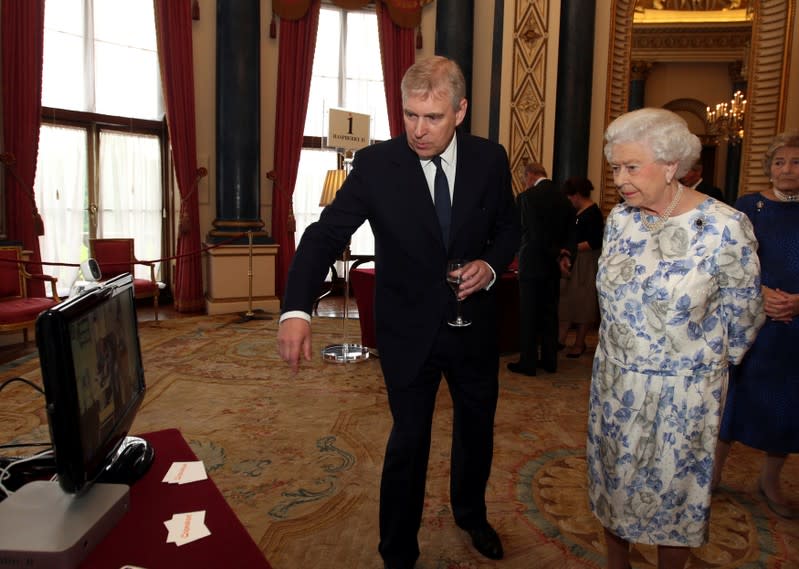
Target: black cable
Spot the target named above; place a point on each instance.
(23, 380)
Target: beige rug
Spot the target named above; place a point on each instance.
(298, 457)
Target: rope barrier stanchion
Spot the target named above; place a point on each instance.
(162, 259)
(258, 313)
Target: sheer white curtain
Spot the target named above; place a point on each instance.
(61, 198)
(130, 193)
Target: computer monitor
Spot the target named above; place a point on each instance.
(93, 378)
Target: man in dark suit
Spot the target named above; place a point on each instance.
(693, 179)
(547, 243)
(392, 185)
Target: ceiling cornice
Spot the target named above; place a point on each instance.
(690, 43)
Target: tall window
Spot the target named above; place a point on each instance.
(100, 170)
(347, 74)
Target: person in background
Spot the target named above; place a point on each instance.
(762, 408)
(393, 185)
(679, 297)
(578, 303)
(547, 221)
(693, 179)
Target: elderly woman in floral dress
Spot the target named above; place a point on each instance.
(679, 297)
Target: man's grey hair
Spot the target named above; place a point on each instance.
(535, 168)
(438, 76)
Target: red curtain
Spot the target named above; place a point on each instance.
(406, 13)
(295, 64)
(23, 47)
(397, 52)
(173, 26)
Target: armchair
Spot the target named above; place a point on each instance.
(18, 311)
(115, 256)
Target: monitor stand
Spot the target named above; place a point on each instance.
(43, 526)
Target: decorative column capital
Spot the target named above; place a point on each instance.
(737, 71)
(639, 70)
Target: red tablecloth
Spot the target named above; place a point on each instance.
(140, 536)
(363, 286)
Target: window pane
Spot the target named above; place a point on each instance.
(363, 47)
(63, 61)
(322, 97)
(314, 165)
(127, 76)
(127, 82)
(130, 193)
(130, 23)
(364, 72)
(326, 54)
(64, 16)
(369, 97)
(63, 56)
(324, 92)
(61, 196)
(120, 50)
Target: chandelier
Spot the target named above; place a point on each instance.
(725, 122)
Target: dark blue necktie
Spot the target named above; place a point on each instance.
(441, 198)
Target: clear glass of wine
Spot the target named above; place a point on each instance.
(454, 280)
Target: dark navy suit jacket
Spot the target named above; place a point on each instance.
(547, 220)
(387, 188)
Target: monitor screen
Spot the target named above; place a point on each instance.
(93, 378)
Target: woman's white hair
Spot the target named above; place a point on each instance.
(664, 132)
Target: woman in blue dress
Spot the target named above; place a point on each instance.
(679, 297)
(763, 396)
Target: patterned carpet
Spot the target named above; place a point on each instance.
(298, 457)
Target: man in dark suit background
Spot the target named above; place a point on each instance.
(547, 242)
(693, 179)
(392, 185)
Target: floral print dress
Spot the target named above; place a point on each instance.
(677, 305)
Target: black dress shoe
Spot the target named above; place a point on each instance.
(517, 367)
(486, 541)
(551, 368)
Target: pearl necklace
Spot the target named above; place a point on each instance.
(786, 197)
(660, 220)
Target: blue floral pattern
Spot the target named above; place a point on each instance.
(677, 306)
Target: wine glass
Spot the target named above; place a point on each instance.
(454, 280)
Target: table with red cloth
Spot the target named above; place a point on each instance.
(139, 538)
(363, 287)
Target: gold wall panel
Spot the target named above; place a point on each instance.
(528, 85)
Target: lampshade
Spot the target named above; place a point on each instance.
(333, 181)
